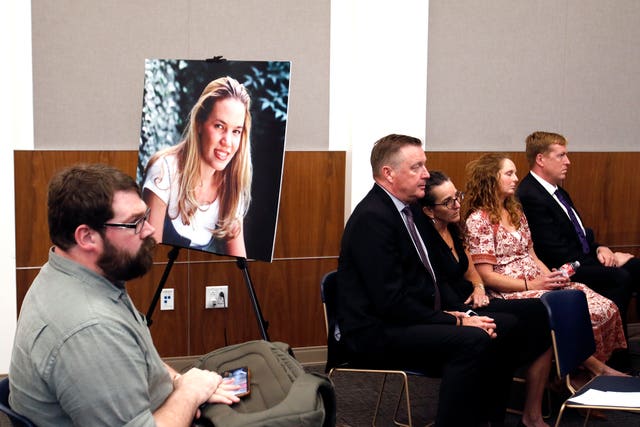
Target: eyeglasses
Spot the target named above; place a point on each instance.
(138, 225)
(451, 202)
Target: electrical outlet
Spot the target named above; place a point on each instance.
(216, 297)
(166, 299)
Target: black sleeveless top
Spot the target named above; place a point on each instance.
(449, 269)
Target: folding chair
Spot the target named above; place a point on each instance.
(336, 361)
(573, 343)
(17, 419)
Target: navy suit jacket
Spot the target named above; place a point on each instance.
(382, 284)
(555, 240)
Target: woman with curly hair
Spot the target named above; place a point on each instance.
(500, 245)
(199, 190)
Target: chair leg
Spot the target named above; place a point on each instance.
(380, 392)
(405, 390)
(560, 414)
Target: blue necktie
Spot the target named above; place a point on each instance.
(423, 255)
(574, 221)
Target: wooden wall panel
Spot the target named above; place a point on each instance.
(603, 185)
(288, 292)
(291, 300)
(212, 328)
(311, 217)
(307, 243)
(606, 189)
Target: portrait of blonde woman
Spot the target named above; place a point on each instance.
(199, 190)
(208, 163)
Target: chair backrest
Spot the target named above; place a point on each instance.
(17, 419)
(328, 295)
(571, 328)
(337, 355)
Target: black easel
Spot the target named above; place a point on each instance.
(242, 265)
(262, 324)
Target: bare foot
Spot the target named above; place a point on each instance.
(607, 370)
(580, 378)
(597, 367)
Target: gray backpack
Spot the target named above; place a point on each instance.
(282, 393)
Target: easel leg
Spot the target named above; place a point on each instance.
(173, 254)
(262, 324)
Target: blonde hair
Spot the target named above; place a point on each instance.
(234, 182)
(481, 192)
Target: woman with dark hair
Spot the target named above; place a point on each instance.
(442, 235)
(199, 190)
(499, 241)
(441, 204)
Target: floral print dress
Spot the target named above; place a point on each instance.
(508, 252)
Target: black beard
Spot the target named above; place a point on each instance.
(119, 265)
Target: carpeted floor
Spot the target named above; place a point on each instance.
(356, 395)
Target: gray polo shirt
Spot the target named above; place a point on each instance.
(83, 355)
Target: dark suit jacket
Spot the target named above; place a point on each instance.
(554, 237)
(382, 284)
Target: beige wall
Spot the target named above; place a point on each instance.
(500, 69)
(88, 61)
(497, 69)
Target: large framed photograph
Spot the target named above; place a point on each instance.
(211, 153)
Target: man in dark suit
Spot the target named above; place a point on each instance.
(389, 306)
(559, 236)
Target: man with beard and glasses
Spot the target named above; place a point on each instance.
(83, 354)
